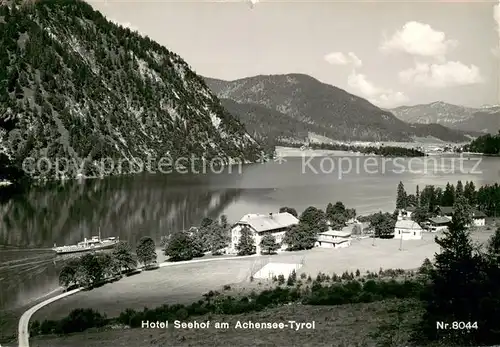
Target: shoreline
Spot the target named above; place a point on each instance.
(23, 325)
(147, 287)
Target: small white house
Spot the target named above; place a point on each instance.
(275, 224)
(407, 230)
(479, 218)
(335, 238)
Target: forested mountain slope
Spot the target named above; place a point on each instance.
(74, 85)
(311, 105)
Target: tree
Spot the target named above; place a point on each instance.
(146, 251)
(493, 246)
(425, 270)
(109, 265)
(299, 237)
(223, 221)
(315, 219)
(268, 244)
(206, 222)
(417, 195)
(179, 247)
(67, 276)
(448, 195)
(452, 293)
(290, 210)
(401, 201)
(383, 224)
(218, 236)
(470, 193)
(246, 245)
(350, 213)
(338, 215)
(459, 191)
(204, 233)
(429, 198)
(420, 215)
(198, 239)
(411, 200)
(122, 253)
(90, 270)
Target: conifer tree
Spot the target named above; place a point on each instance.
(452, 293)
(401, 196)
(246, 246)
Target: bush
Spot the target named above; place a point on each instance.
(126, 317)
(292, 278)
(133, 272)
(181, 314)
(303, 276)
(336, 293)
(226, 287)
(34, 328)
(48, 327)
(151, 267)
(281, 279)
(81, 319)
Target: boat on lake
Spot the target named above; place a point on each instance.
(93, 244)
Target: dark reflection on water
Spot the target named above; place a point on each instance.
(127, 207)
(154, 205)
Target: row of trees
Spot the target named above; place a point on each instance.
(486, 144)
(215, 235)
(485, 199)
(94, 268)
(385, 151)
(211, 236)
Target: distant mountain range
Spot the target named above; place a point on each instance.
(293, 104)
(484, 119)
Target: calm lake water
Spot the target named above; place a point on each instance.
(154, 205)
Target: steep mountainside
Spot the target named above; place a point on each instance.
(75, 86)
(320, 108)
(262, 122)
(486, 119)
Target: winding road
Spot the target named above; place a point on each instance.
(23, 327)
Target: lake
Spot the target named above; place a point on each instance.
(154, 204)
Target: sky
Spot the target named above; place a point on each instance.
(391, 53)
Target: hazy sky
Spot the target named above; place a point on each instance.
(391, 53)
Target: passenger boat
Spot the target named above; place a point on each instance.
(87, 245)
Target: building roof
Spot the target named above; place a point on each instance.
(478, 214)
(440, 220)
(408, 224)
(267, 222)
(345, 232)
(448, 210)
